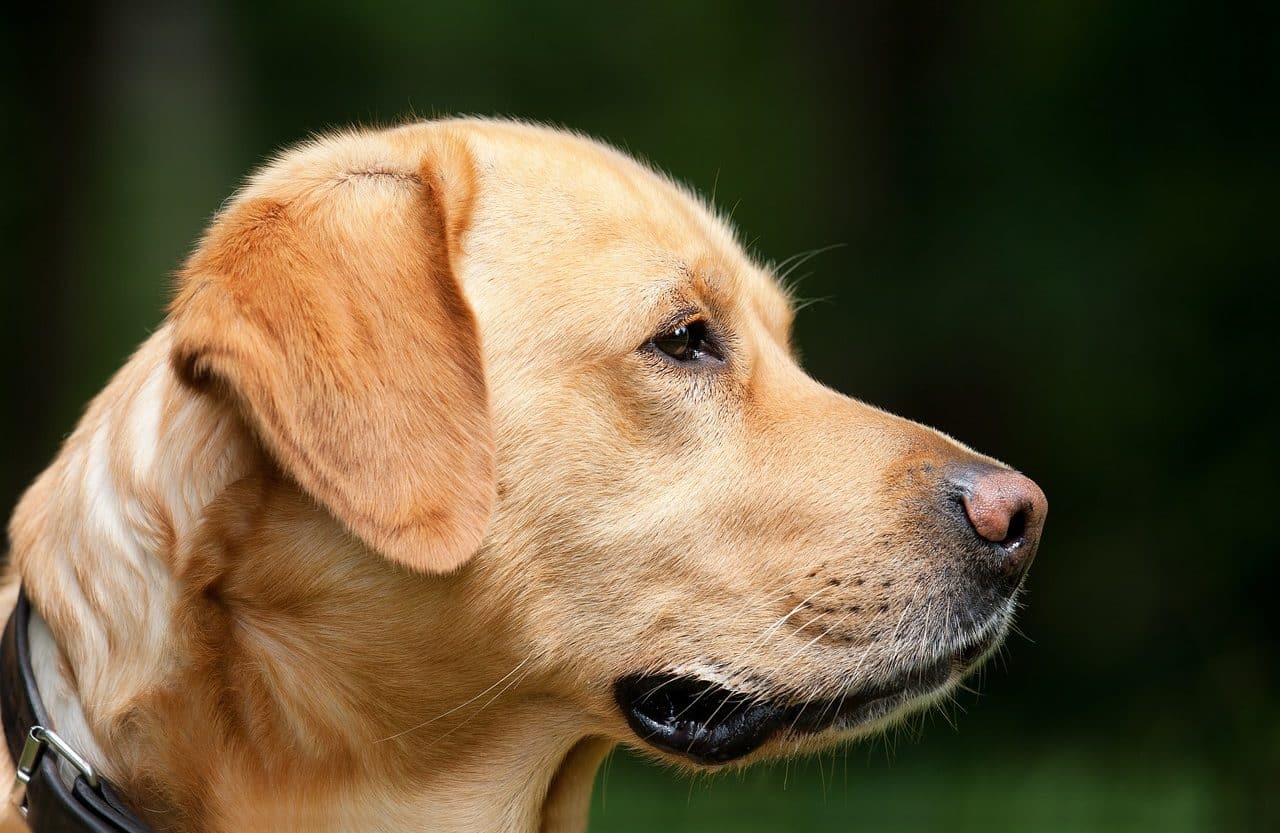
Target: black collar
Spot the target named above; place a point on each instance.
(90, 803)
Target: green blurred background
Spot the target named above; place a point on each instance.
(1059, 238)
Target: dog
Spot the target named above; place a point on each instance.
(468, 450)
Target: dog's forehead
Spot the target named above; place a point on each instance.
(576, 219)
(573, 189)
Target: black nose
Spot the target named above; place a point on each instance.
(1006, 511)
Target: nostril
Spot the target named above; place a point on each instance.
(1017, 530)
(1003, 507)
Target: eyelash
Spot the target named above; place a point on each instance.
(687, 344)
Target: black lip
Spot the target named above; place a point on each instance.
(710, 724)
(691, 717)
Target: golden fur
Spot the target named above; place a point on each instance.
(360, 538)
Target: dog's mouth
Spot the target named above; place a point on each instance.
(710, 724)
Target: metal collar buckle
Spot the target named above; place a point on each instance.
(37, 740)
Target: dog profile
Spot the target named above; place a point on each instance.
(468, 450)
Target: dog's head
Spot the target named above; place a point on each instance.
(514, 354)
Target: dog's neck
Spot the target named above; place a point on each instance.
(230, 654)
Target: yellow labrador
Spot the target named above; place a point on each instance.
(468, 450)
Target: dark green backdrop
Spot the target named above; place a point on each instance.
(1059, 238)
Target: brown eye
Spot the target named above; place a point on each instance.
(685, 343)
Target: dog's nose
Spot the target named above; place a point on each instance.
(1007, 511)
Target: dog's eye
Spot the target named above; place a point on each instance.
(685, 343)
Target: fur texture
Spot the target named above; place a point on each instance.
(362, 536)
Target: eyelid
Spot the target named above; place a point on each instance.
(682, 317)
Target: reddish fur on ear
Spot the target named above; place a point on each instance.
(331, 315)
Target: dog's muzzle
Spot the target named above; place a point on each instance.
(710, 724)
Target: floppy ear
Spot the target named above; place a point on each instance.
(331, 316)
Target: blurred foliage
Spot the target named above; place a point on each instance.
(1058, 227)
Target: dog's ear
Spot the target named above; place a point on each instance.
(329, 312)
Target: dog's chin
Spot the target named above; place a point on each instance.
(709, 724)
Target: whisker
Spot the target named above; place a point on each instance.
(477, 712)
(805, 647)
(604, 778)
(710, 685)
(769, 631)
(797, 260)
(734, 210)
(462, 705)
(804, 304)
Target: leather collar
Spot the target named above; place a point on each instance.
(50, 806)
